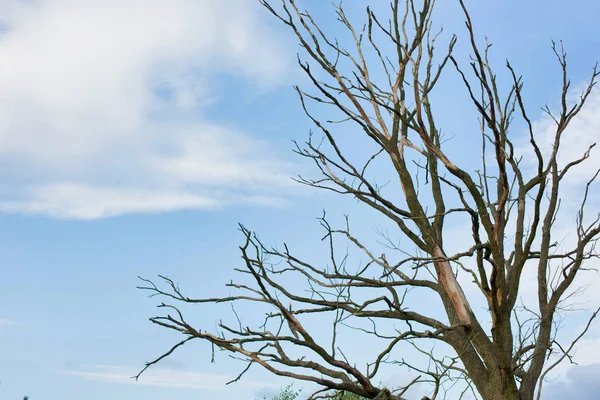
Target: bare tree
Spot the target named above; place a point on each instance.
(384, 86)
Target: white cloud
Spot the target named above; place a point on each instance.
(85, 202)
(91, 99)
(93, 202)
(583, 131)
(160, 377)
(8, 322)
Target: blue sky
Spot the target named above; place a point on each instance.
(135, 135)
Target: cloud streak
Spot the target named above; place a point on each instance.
(160, 377)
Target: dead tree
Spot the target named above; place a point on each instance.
(383, 87)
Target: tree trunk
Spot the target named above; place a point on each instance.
(502, 387)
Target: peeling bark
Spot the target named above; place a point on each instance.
(448, 281)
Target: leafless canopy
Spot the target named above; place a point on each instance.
(383, 85)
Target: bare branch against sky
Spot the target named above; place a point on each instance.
(382, 82)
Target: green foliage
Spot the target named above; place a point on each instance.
(348, 396)
(289, 393)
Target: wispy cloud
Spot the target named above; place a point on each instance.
(583, 131)
(8, 322)
(160, 377)
(94, 95)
